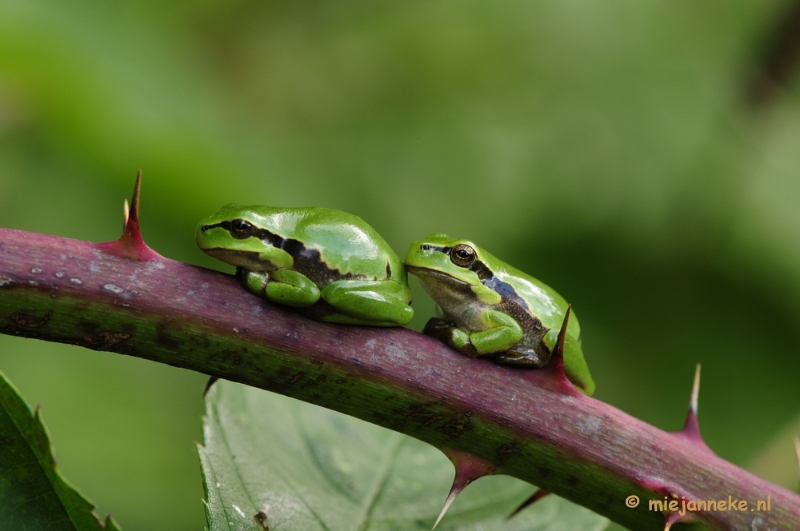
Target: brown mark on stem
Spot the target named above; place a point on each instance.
(105, 340)
(30, 321)
(505, 451)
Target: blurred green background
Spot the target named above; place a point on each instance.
(608, 148)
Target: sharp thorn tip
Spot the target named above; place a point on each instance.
(671, 518)
(450, 498)
(562, 334)
(695, 390)
(536, 496)
(137, 187)
(209, 383)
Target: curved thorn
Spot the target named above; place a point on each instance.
(131, 230)
(691, 428)
(536, 496)
(558, 381)
(131, 244)
(672, 518)
(468, 467)
(562, 334)
(209, 383)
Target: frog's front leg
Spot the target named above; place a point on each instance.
(283, 286)
(361, 300)
(502, 333)
(449, 333)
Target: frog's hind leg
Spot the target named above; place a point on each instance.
(526, 357)
(376, 303)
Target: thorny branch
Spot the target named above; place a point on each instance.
(123, 297)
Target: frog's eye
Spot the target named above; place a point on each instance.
(463, 255)
(241, 229)
(425, 247)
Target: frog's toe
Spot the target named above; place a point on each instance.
(523, 357)
(438, 328)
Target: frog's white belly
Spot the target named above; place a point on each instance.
(468, 317)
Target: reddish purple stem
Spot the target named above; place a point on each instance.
(126, 298)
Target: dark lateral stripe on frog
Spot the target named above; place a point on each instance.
(486, 277)
(306, 261)
(517, 308)
(510, 299)
(262, 234)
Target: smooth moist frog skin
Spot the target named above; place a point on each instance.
(492, 309)
(329, 265)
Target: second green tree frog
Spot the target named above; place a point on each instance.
(491, 308)
(330, 265)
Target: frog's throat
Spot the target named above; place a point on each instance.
(426, 275)
(446, 290)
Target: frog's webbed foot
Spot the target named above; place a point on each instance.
(449, 333)
(283, 286)
(438, 328)
(253, 281)
(526, 357)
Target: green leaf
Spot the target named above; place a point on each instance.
(304, 467)
(33, 495)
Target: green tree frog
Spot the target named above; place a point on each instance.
(493, 309)
(330, 265)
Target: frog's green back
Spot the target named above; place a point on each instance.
(438, 257)
(551, 308)
(345, 241)
(544, 302)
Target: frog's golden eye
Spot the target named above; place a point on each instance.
(241, 229)
(463, 255)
